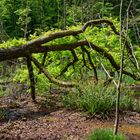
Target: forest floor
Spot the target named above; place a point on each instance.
(47, 119)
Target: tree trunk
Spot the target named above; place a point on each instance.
(82, 11)
(118, 90)
(31, 76)
(64, 14)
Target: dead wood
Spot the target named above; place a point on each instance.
(40, 46)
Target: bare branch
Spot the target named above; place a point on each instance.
(96, 22)
(43, 61)
(92, 65)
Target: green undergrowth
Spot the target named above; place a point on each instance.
(96, 99)
(102, 134)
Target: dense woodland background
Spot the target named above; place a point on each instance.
(20, 18)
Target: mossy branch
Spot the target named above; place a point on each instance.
(50, 77)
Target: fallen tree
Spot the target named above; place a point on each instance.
(40, 46)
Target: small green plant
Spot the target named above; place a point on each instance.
(93, 99)
(101, 134)
(96, 99)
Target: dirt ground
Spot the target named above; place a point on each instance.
(48, 120)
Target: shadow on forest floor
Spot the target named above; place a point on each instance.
(13, 110)
(46, 119)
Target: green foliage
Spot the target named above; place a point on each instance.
(105, 134)
(23, 19)
(21, 75)
(56, 61)
(96, 99)
(5, 92)
(126, 101)
(42, 84)
(103, 9)
(42, 15)
(13, 42)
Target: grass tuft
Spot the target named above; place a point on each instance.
(96, 99)
(101, 134)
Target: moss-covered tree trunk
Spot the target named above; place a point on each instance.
(31, 77)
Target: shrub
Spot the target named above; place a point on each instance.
(101, 134)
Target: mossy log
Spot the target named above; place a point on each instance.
(40, 46)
